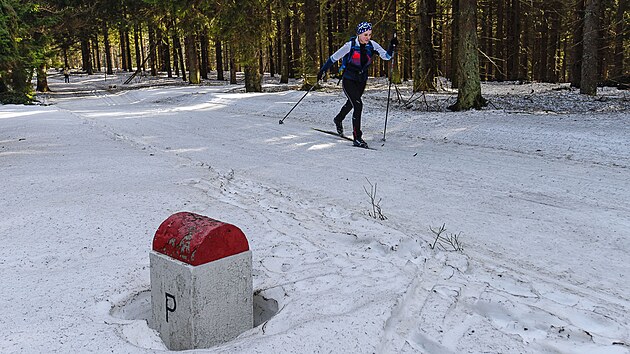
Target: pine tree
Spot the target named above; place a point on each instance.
(469, 93)
(590, 77)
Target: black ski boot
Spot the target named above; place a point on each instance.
(358, 142)
(339, 126)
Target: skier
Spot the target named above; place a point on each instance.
(66, 75)
(357, 56)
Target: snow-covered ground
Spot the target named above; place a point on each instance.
(536, 186)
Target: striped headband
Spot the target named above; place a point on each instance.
(363, 27)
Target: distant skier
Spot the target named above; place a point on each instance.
(357, 56)
(66, 75)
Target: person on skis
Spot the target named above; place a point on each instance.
(358, 54)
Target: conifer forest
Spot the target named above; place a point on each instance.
(584, 42)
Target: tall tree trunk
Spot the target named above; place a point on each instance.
(578, 44)
(621, 33)
(123, 49)
(295, 43)
(232, 65)
(543, 32)
(455, 45)
(490, 42)
(330, 33)
(469, 93)
(501, 42)
(484, 43)
(142, 49)
(178, 53)
(97, 54)
(439, 38)
(270, 51)
(87, 58)
(406, 46)
(425, 71)
(164, 49)
(272, 62)
(108, 50)
(249, 48)
(553, 72)
(205, 62)
(604, 44)
(161, 53)
(192, 55)
(563, 71)
(591, 40)
(513, 42)
(310, 33)
(525, 71)
(394, 76)
(338, 19)
(136, 42)
(175, 56)
(128, 46)
(279, 50)
(152, 52)
(65, 58)
(219, 54)
(93, 53)
(431, 12)
(286, 53)
(534, 34)
(42, 79)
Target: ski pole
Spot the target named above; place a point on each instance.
(389, 89)
(298, 102)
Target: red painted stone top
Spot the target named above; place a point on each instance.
(197, 239)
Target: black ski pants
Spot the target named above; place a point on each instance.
(353, 91)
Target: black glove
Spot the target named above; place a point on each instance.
(324, 69)
(393, 42)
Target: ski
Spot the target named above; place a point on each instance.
(330, 132)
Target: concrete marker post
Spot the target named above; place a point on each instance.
(201, 282)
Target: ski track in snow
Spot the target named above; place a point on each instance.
(421, 301)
